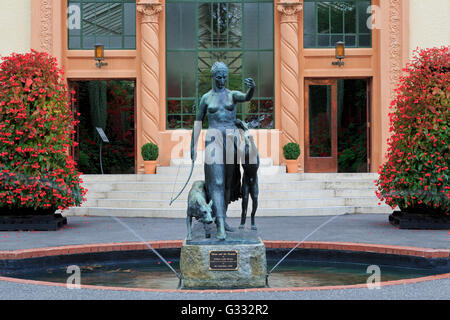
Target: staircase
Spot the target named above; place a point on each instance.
(280, 194)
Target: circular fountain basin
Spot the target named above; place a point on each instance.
(311, 265)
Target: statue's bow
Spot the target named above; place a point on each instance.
(187, 181)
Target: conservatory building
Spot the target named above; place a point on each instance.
(325, 72)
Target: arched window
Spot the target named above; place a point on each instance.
(109, 22)
(237, 32)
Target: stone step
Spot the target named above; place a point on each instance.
(273, 170)
(181, 212)
(263, 194)
(365, 209)
(369, 192)
(183, 172)
(271, 203)
(339, 176)
(281, 194)
(170, 186)
(348, 184)
(362, 201)
(183, 175)
(180, 176)
(262, 203)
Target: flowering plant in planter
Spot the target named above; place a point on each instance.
(37, 175)
(416, 175)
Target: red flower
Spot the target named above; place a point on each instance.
(418, 149)
(35, 167)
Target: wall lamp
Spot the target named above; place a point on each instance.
(99, 55)
(340, 54)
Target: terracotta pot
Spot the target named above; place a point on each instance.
(292, 166)
(150, 167)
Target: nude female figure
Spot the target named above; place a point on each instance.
(222, 178)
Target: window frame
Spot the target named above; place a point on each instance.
(241, 108)
(357, 34)
(82, 23)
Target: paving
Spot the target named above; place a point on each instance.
(368, 228)
(365, 228)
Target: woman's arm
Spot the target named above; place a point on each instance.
(241, 97)
(198, 124)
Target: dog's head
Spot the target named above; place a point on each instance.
(205, 213)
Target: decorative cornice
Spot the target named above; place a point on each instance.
(46, 34)
(289, 10)
(150, 10)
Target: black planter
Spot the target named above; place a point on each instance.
(420, 219)
(422, 209)
(28, 219)
(26, 212)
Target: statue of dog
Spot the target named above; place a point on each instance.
(250, 165)
(198, 208)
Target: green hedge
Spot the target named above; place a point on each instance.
(150, 152)
(291, 151)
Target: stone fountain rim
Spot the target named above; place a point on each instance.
(427, 253)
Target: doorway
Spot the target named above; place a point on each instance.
(109, 105)
(337, 125)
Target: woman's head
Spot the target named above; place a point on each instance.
(219, 66)
(219, 72)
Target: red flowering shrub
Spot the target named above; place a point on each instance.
(36, 123)
(416, 174)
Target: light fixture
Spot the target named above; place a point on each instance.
(340, 54)
(99, 55)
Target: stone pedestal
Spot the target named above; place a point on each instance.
(238, 262)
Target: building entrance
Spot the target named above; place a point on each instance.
(337, 125)
(109, 105)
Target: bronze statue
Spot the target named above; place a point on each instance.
(198, 208)
(250, 165)
(222, 172)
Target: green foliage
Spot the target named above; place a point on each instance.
(291, 151)
(97, 100)
(117, 155)
(84, 160)
(352, 156)
(150, 151)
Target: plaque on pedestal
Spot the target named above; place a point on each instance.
(226, 264)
